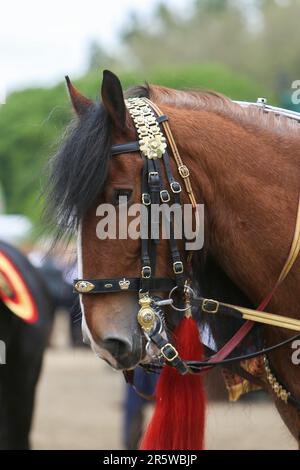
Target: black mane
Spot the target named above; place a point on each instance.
(79, 168)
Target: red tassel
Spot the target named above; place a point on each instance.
(179, 415)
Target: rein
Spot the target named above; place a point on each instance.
(154, 141)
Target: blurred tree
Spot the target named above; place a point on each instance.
(2, 201)
(256, 37)
(215, 45)
(277, 45)
(98, 58)
(214, 6)
(208, 33)
(32, 121)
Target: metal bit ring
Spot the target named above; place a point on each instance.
(190, 290)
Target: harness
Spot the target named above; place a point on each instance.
(154, 143)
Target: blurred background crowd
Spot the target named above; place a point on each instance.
(245, 49)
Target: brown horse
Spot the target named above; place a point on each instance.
(244, 167)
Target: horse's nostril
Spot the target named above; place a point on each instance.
(127, 352)
(117, 347)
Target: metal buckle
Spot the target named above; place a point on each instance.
(152, 174)
(146, 272)
(184, 171)
(146, 199)
(175, 352)
(175, 187)
(178, 267)
(164, 195)
(207, 302)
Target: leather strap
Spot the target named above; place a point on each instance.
(182, 169)
(132, 284)
(238, 337)
(146, 271)
(169, 353)
(216, 307)
(200, 366)
(125, 148)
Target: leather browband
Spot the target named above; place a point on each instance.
(125, 148)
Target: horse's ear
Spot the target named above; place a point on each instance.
(113, 99)
(80, 103)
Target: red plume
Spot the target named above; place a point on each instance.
(179, 415)
(80, 103)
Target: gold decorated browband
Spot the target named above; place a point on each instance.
(152, 142)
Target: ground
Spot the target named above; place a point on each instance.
(79, 406)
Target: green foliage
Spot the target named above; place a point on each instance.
(208, 77)
(32, 122)
(258, 38)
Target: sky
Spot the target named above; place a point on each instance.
(41, 41)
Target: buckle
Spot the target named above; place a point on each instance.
(184, 171)
(171, 350)
(178, 267)
(146, 272)
(164, 195)
(146, 199)
(210, 306)
(175, 187)
(152, 174)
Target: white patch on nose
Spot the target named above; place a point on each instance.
(85, 331)
(152, 350)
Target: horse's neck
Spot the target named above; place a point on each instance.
(250, 189)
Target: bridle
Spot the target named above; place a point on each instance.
(152, 145)
(155, 142)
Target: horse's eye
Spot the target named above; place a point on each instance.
(120, 194)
